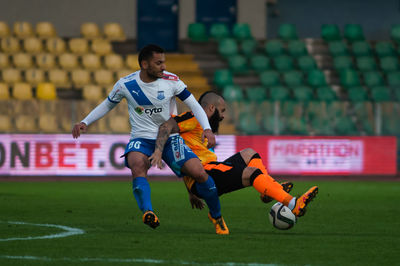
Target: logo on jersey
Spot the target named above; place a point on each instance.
(152, 111)
(160, 95)
(139, 110)
(178, 148)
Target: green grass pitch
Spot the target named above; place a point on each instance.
(349, 223)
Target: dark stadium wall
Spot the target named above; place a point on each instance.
(376, 17)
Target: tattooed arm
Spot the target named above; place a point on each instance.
(164, 131)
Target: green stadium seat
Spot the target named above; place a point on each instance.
(291, 108)
(361, 48)
(228, 47)
(297, 126)
(238, 64)
(306, 63)
(248, 124)
(395, 33)
(326, 94)
(330, 32)
(321, 126)
(342, 62)
(248, 47)
(219, 31)
(260, 63)
(345, 126)
(287, 32)
(366, 63)
(279, 93)
(393, 79)
(293, 78)
(270, 78)
(232, 93)
(197, 32)
(384, 48)
(357, 94)
(397, 94)
(303, 93)
(269, 122)
(349, 78)
(381, 94)
(353, 32)
(242, 31)
(373, 79)
(316, 78)
(223, 77)
(389, 63)
(274, 48)
(256, 94)
(283, 62)
(297, 48)
(337, 48)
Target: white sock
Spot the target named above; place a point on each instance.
(292, 203)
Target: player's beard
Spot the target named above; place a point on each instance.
(214, 120)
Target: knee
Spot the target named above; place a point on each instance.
(247, 154)
(249, 174)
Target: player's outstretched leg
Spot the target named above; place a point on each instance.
(151, 219)
(302, 201)
(286, 186)
(219, 224)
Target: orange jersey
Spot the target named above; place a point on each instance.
(191, 131)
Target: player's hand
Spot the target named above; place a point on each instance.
(210, 137)
(196, 202)
(78, 128)
(156, 159)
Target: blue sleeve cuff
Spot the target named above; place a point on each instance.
(111, 100)
(184, 94)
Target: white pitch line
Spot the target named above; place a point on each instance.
(69, 231)
(132, 260)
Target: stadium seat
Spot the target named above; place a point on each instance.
(92, 92)
(22, 60)
(297, 126)
(5, 123)
(119, 124)
(306, 63)
(101, 47)
(279, 93)
(4, 91)
(80, 77)
(22, 91)
(68, 61)
(337, 48)
(33, 45)
(48, 123)
(4, 29)
(389, 63)
(256, 94)
(330, 32)
(270, 78)
(353, 32)
(259, 63)
(316, 78)
(4, 60)
(293, 78)
(45, 30)
(381, 94)
(219, 31)
(91, 61)
(366, 63)
(349, 78)
(393, 79)
(248, 124)
(394, 33)
(56, 45)
(113, 31)
(274, 48)
(78, 45)
(344, 126)
(46, 91)
(287, 32)
(361, 48)
(104, 77)
(223, 77)
(34, 76)
(59, 77)
(326, 94)
(297, 48)
(114, 61)
(384, 48)
(241, 31)
(238, 64)
(197, 32)
(342, 62)
(269, 122)
(248, 47)
(283, 62)
(357, 94)
(23, 29)
(232, 93)
(228, 47)
(122, 73)
(131, 61)
(90, 30)
(302, 93)
(11, 75)
(321, 126)
(25, 123)
(10, 45)
(373, 79)
(45, 60)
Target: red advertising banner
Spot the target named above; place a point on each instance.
(324, 155)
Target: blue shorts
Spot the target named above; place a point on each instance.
(175, 153)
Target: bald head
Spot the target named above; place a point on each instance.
(208, 98)
(214, 107)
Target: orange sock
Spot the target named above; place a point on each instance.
(257, 163)
(268, 186)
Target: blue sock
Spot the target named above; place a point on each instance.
(141, 191)
(208, 191)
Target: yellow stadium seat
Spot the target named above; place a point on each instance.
(55, 45)
(113, 61)
(122, 73)
(104, 77)
(68, 61)
(91, 61)
(4, 91)
(90, 30)
(5, 123)
(10, 45)
(4, 29)
(23, 29)
(33, 45)
(92, 92)
(48, 123)
(80, 77)
(131, 61)
(59, 77)
(22, 91)
(25, 123)
(46, 91)
(119, 124)
(11, 75)
(34, 76)
(101, 47)
(78, 45)
(4, 60)
(45, 60)
(113, 31)
(22, 60)
(45, 29)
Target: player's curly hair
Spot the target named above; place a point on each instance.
(147, 52)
